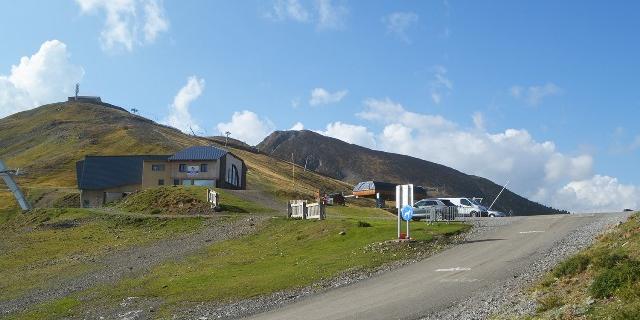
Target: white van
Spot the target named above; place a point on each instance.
(469, 207)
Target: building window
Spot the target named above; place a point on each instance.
(235, 179)
(161, 182)
(203, 167)
(176, 182)
(182, 167)
(157, 167)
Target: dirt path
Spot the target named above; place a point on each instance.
(137, 260)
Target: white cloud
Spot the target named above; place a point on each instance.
(440, 85)
(320, 96)
(180, 116)
(536, 168)
(297, 126)
(398, 22)
(534, 95)
(323, 13)
(598, 194)
(247, 126)
(350, 133)
(156, 21)
(331, 16)
(47, 76)
(288, 9)
(124, 27)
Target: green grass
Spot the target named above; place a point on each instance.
(608, 271)
(48, 244)
(285, 254)
(185, 200)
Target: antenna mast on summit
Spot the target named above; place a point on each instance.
(77, 90)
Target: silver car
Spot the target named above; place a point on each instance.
(423, 206)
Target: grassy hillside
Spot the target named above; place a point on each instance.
(601, 282)
(54, 244)
(285, 254)
(352, 163)
(184, 200)
(46, 142)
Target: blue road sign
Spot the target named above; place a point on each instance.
(407, 212)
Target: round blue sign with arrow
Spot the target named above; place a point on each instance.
(407, 212)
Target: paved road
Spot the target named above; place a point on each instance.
(432, 284)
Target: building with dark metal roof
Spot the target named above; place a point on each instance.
(102, 179)
(201, 153)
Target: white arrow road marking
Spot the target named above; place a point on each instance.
(534, 231)
(453, 269)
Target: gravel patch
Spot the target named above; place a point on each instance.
(135, 261)
(508, 297)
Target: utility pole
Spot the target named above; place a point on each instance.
(293, 170)
(7, 176)
(77, 90)
(226, 139)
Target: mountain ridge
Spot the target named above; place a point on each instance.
(353, 163)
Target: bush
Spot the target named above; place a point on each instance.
(610, 280)
(572, 266)
(608, 260)
(363, 224)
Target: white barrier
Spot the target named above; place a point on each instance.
(301, 209)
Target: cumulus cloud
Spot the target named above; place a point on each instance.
(398, 22)
(598, 194)
(533, 95)
(180, 116)
(536, 168)
(297, 126)
(124, 27)
(46, 76)
(247, 126)
(320, 96)
(350, 133)
(324, 13)
(440, 86)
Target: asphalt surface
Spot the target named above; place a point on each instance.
(435, 283)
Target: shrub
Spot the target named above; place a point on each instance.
(572, 266)
(608, 260)
(363, 224)
(610, 280)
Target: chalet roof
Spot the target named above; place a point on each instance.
(199, 153)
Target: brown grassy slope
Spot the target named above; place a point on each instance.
(47, 141)
(352, 163)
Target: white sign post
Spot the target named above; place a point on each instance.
(404, 198)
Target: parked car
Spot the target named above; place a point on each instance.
(468, 207)
(496, 213)
(421, 208)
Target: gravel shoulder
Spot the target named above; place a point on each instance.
(137, 260)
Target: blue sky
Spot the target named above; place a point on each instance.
(541, 93)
